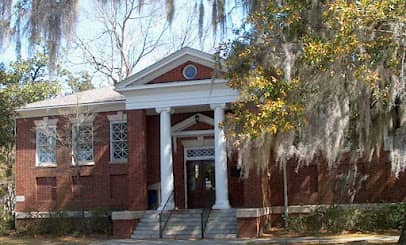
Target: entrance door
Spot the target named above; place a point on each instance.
(200, 183)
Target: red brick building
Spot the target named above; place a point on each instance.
(155, 140)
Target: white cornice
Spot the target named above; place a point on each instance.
(63, 110)
(178, 94)
(172, 84)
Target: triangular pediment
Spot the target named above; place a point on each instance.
(169, 69)
(191, 121)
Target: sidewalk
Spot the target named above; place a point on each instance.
(296, 240)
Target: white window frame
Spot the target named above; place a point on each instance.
(91, 162)
(44, 124)
(120, 117)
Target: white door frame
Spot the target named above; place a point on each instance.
(199, 143)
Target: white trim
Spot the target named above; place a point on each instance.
(127, 215)
(20, 198)
(253, 212)
(168, 63)
(44, 215)
(172, 84)
(177, 129)
(218, 105)
(119, 116)
(194, 133)
(190, 121)
(163, 109)
(197, 143)
(301, 209)
(104, 106)
(46, 122)
(181, 94)
(184, 71)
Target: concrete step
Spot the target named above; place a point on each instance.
(220, 236)
(145, 237)
(146, 228)
(186, 224)
(184, 218)
(221, 224)
(182, 237)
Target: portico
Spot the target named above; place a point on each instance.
(166, 158)
(190, 95)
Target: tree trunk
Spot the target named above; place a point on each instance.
(402, 238)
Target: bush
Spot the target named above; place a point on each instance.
(100, 221)
(337, 219)
(384, 217)
(6, 222)
(60, 224)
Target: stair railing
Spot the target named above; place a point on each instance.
(205, 214)
(164, 215)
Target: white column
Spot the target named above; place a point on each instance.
(220, 159)
(167, 180)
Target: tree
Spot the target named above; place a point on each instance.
(52, 23)
(317, 77)
(130, 33)
(23, 82)
(126, 35)
(76, 83)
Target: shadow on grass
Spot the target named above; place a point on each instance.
(62, 240)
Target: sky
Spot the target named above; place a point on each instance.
(88, 27)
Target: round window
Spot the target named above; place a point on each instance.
(190, 71)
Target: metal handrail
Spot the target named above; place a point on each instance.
(205, 215)
(162, 221)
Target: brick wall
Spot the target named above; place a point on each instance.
(316, 184)
(123, 186)
(176, 74)
(53, 188)
(137, 160)
(153, 151)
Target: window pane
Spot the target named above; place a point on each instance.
(46, 145)
(85, 143)
(118, 144)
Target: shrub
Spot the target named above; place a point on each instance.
(338, 219)
(100, 221)
(60, 224)
(6, 222)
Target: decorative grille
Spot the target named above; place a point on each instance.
(119, 144)
(46, 145)
(85, 143)
(200, 153)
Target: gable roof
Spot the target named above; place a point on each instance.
(88, 97)
(166, 64)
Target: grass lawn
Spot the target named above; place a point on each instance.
(282, 233)
(64, 240)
